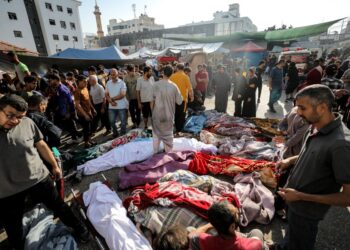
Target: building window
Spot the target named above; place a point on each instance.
(17, 33)
(48, 6)
(52, 21)
(65, 38)
(59, 8)
(12, 15)
(69, 11)
(72, 26)
(63, 24)
(75, 39)
(55, 37)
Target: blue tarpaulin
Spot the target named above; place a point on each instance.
(109, 53)
(194, 124)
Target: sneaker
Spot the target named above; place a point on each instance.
(83, 235)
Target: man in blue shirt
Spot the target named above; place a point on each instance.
(63, 107)
(275, 84)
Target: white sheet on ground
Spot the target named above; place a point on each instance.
(108, 215)
(137, 151)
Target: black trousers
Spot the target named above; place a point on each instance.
(238, 108)
(103, 117)
(86, 128)
(204, 94)
(180, 116)
(68, 125)
(135, 112)
(12, 210)
(259, 90)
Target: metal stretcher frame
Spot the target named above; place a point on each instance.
(100, 241)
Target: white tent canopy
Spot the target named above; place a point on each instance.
(197, 47)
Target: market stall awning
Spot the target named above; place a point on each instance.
(249, 47)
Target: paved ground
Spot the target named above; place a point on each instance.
(334, 231)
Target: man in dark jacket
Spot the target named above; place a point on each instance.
(222, 86)
(240, 85)
(36, 111)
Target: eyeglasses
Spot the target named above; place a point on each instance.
(12, 116)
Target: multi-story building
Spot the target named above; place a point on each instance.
(223, 23)
(141, 24)
(91, 41)
(45, 26)
(14, 25)
(228, 22)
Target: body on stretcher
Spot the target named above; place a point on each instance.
(82, 209)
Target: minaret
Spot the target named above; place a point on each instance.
(97, 13)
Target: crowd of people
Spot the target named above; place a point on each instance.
(83, 104)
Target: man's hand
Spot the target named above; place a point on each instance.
(56, 173)
(289, 194)
(284, 164)
(113, 103)
(140, 105)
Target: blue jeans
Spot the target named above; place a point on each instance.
(275, 95)
(301, 232)
(113, 115)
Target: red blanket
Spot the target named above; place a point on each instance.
(227, 165)
(178, 195)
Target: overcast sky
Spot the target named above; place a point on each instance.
(263, 13)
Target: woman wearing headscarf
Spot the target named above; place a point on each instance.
(249, 104)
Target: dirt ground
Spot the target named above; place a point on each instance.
(334, 230)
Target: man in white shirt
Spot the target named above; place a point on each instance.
(118, 104)
(144, 90)
(98, 97)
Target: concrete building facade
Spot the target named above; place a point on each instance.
(45, 26)
(223, 23)
(91, 41)
(14, 25)
(142, 24)
(228, 22)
